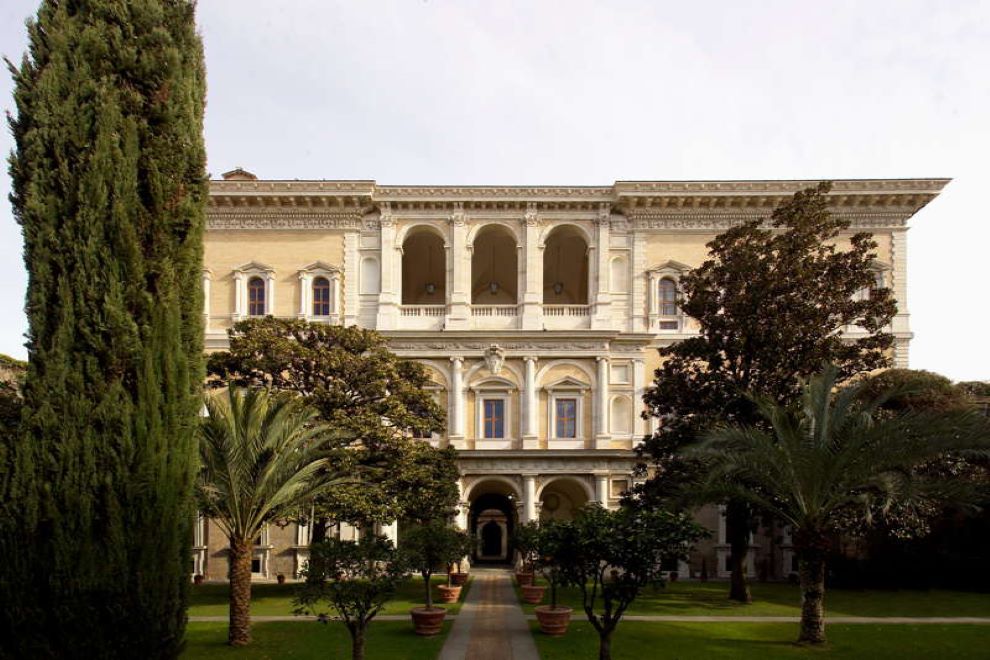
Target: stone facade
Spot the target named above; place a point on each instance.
(538, 311)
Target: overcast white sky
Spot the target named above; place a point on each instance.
(570, 92)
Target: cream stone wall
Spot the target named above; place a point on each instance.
(286, 252)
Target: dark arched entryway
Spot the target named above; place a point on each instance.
(492, 522)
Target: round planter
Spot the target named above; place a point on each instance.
(198, 579)
(532, 594)
(280, 578)
(458, 579)
(553, 621)
(449, 594)
(427, 622)
(524, 578)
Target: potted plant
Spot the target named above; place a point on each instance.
(554, 546)
(198, 578)
(524, 541)
(451, 592)
(459, 578)
(428, 546)
(280, 578)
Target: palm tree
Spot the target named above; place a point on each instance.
(261, 458)
(829, 456)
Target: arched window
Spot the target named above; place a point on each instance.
(256, 297)
(321, 296)
(668, 297)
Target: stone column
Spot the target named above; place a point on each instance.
(602, 318)
(459, 310)
(601, 432)
(240, 296)
(305, 295)
(529, 497)
(457, 402)
(640, 425)
(532, 264)
(388, 299)
(531, 429)
(601, 489)
(462, 506)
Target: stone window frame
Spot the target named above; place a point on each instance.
(307, 276)
(566, 388)
(674, 271)
(245, 274)
(494, 388)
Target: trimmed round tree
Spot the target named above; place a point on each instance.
(109, 187)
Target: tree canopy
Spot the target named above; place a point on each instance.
(774, 302)
(109, 187)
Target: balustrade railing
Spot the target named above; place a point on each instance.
(566, 310)
(494, 310)
(422, 310)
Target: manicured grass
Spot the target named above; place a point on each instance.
(304, 640)
(634, 640)
(276, 599)
(773, 599)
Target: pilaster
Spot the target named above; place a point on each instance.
(457, 430)
(601, 404)
(532, 263)
(529, 497)
(391, 263)
(602, 318)
(530, 434)
(459, 309)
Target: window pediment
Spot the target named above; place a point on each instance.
(568, 383)
(254, 267)
(320, 268)
(670, 267)
(493, 383)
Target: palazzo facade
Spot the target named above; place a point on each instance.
(538, 312)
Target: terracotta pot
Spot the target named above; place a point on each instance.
(458, 579)
(449, 594)
(524, 578)
(532, 594)
(198, 579)
(427, 622)
(553, 621)
(280, 578)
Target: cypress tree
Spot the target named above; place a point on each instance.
(109, 188)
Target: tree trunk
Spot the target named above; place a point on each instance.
(239, 630)
(737, 527)
(812, 571)
(605, 645)
(429, 592)
(357, 641)
(319, 533)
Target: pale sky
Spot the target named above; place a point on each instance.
(571, 92)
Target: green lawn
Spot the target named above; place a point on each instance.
(774, 599)
(276, 599)
(634, 640)
(302, 640)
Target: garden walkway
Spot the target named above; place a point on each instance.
(491, 625)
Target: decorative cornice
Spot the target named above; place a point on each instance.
(648, 205)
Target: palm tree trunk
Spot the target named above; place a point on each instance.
(811, 568)
(737, 530)
(239, 630)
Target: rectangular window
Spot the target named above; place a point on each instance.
(494, 418)
(256, 565)
(566, 418)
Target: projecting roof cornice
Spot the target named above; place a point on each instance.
(648, 205)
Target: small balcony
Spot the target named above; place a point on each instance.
(566, 317)
(422, 317)
(495, 317)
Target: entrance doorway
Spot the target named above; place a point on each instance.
(492, 522)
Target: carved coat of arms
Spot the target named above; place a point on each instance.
(494, 359)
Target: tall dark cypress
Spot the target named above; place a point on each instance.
(109, 188)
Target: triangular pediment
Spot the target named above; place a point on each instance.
(320, 266)
(254, 267)
(670, 266)
(494, 383)
(567, 383)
